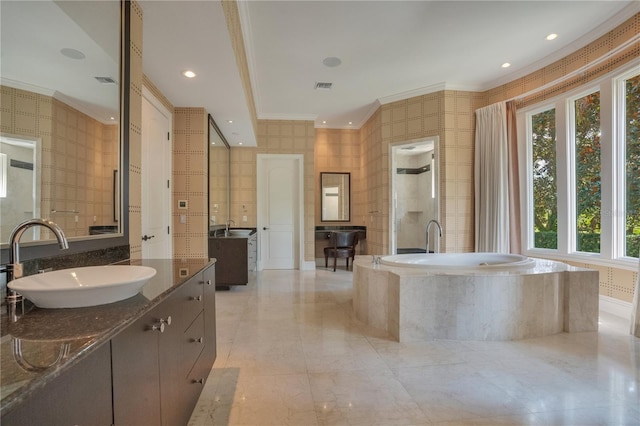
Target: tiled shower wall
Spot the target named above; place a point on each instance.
(79, 156)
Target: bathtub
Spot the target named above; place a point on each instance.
(460, 261)
(473, 296)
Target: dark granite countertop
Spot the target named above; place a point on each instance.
(220, 232)
(322, 228)
(324, 232)
(47, 334)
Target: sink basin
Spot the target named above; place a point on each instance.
(240, 232)
(81, 287)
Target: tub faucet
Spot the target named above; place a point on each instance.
(14, 268)
(433, 222)
(226, 231)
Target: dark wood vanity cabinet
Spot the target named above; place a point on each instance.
(160, 363)
(236, 256)
(151, 372)
(79, 396)
(136, 378)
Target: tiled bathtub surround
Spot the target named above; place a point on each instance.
(415, 304)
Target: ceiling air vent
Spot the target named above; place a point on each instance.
(106, 80)
(323, 86)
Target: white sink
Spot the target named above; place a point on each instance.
(81, 287)
(240, 232)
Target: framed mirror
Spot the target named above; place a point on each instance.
(60, 136)
(219, 175)
(335, 197)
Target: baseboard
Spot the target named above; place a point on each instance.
(310, 265)
(616, 307)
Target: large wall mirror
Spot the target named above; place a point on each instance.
(62, 73)
(335, 197)
(219, 175)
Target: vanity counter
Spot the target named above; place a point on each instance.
(44, 335)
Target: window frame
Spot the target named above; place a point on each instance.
(528, 206)
(570, 163)
(619, 210)
(612, 158)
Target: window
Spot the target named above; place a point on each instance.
(583, 171)
(545, 191)
(586, 124)
(632, 169)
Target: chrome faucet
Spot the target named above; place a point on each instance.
(14, 268)
(433, 222)
(226, 231)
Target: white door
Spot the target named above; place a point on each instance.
(279, 211)
(156, 175)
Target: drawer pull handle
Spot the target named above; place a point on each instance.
(166, 321)
(208, 282)
(197, 298)
(198, 340)
(200, 381)
(158, 327)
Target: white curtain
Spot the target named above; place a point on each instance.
(492, 179)
(635, 308)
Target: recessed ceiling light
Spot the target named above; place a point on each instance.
(552, 36)
(506, 65)
(72, 53)
(239, 143)
(351, 122)
(229, 121)
(188, 73)
(324, 121)
(112, 118)
(332, 61)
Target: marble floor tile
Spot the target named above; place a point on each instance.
(291, 352)
(365, 397)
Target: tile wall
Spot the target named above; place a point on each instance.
(135, 133)
(447, 114)
(79, 155)
(190, 175)
(338, 150)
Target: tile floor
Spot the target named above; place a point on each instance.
(290, 352)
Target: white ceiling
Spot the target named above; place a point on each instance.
(390, 50)
(32, 35)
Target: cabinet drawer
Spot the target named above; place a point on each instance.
(185, 304)
(177, 358)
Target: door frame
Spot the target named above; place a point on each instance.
(167, 208)
(393, 148)
(299, 262)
